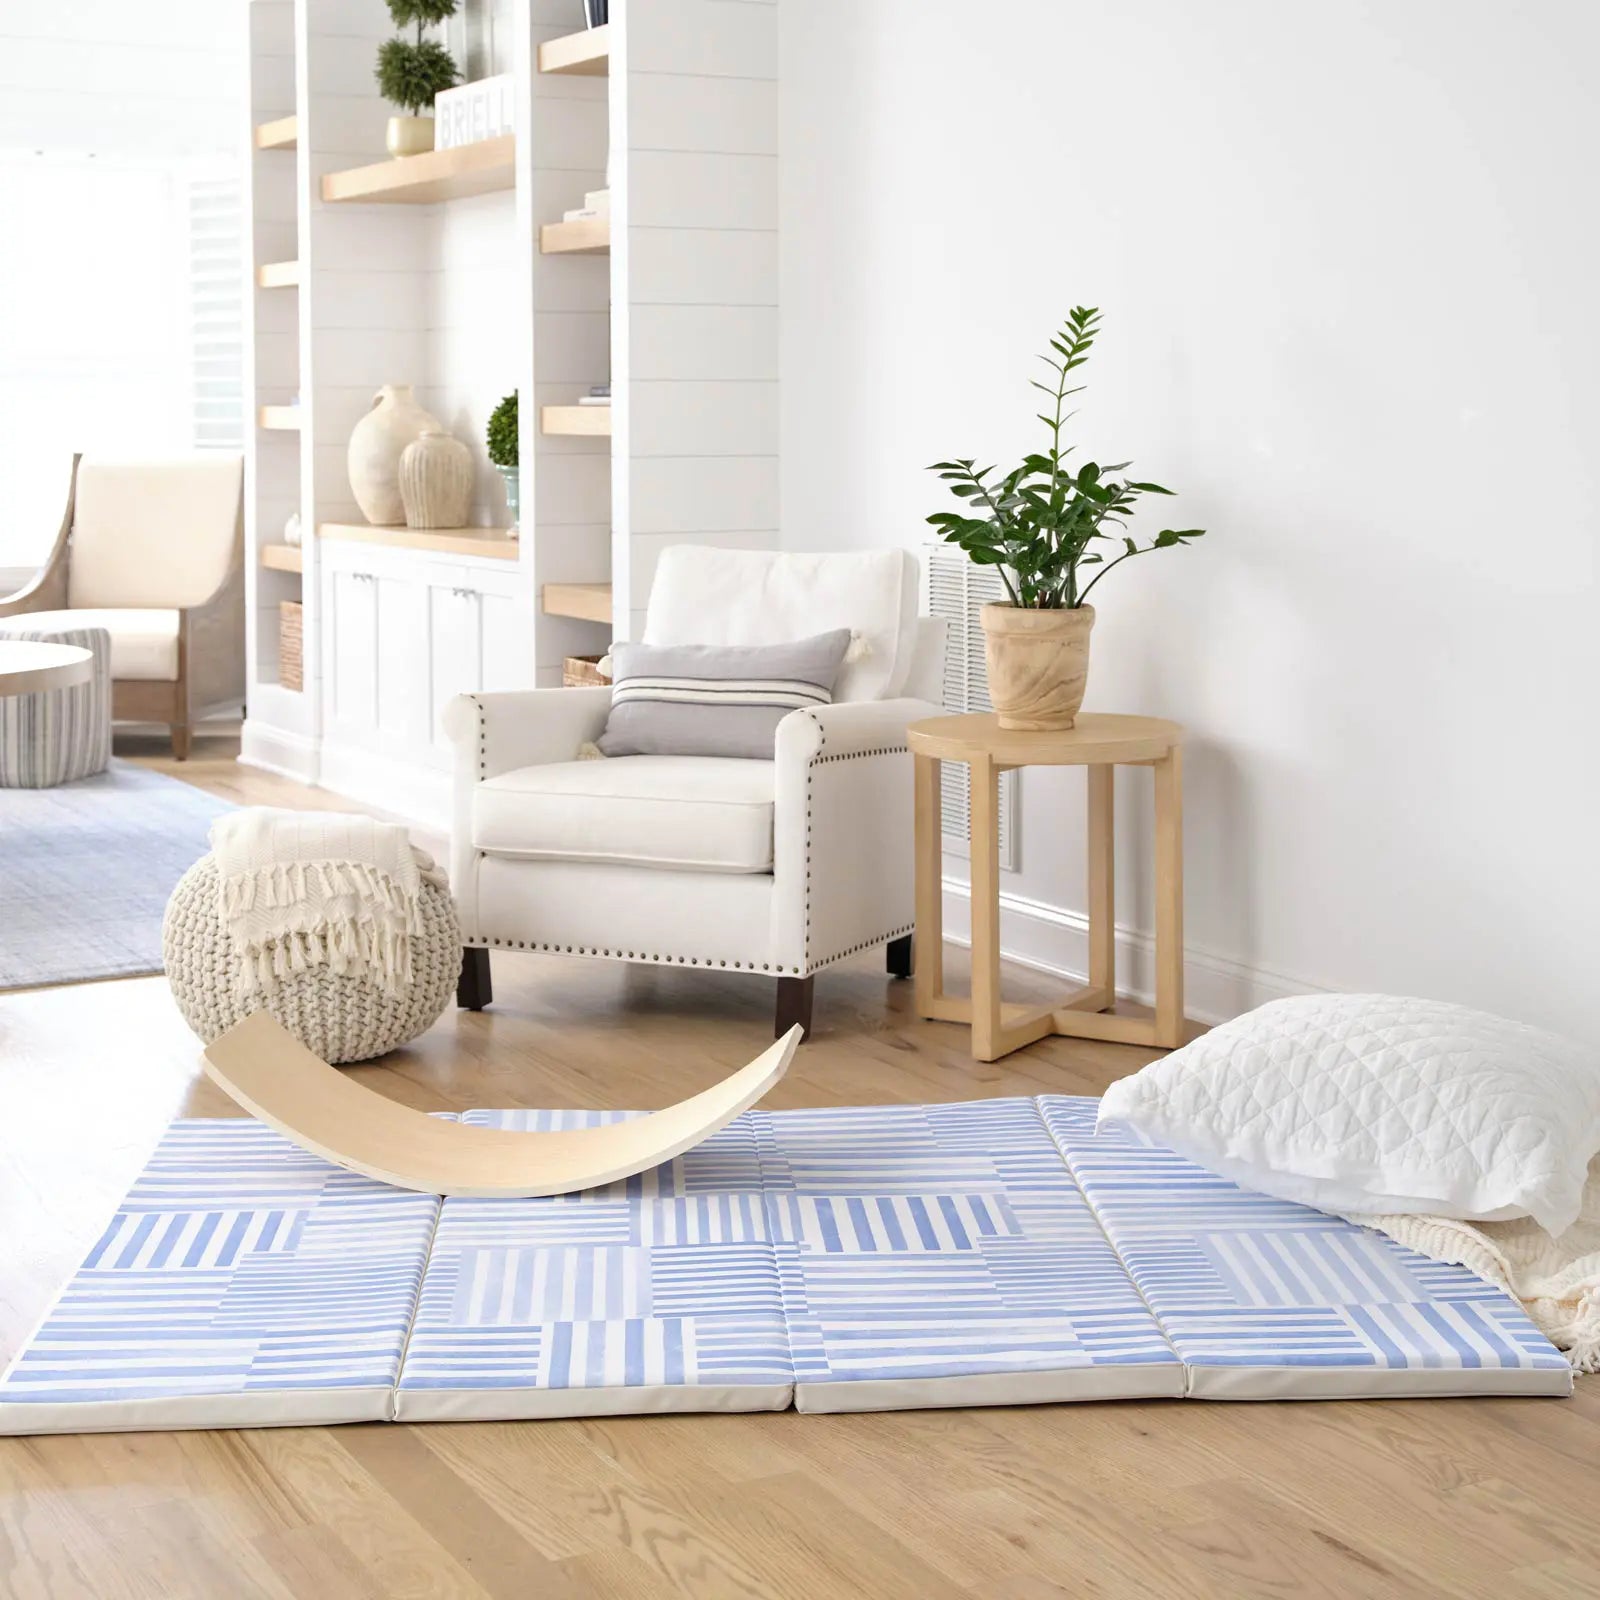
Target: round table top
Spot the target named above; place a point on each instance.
(28, 666)
(1098, 738)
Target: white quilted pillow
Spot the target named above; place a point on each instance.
(1372, 1102)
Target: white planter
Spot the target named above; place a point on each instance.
(376, 445)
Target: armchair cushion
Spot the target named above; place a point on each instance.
(144, 642)
(703, 595)
(153, 533)
(695, 813)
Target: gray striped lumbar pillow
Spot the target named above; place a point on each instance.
(715, 700)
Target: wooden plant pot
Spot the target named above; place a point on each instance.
(1038, 665)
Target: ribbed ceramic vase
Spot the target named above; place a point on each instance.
(436, 481)
(1038, 665)
(377, 442)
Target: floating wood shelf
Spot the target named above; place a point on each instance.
(284, 419)
(591, 237)
(586, 54)
(279, 135)
(588, 602)
(278, 275)
(491, 542)
(479, 168)
(283, 557)
(585, 422)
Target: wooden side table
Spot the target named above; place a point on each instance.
(1100, 743)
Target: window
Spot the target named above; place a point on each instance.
(119, 324)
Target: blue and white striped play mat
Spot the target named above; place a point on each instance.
(988, 1253)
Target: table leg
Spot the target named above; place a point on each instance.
(1102, 882)
(928, 975)
(1169, 900)
(984, 814)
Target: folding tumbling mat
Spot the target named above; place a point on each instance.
(994, 1252)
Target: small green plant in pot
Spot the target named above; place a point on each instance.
(501, 438)
(1043, 525)
(411, 72)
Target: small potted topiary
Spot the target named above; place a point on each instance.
(411, 72)
(1039, 525)
(503, 449)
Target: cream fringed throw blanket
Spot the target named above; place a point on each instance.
(302, 889)
(1557, 1280)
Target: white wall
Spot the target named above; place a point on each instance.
(1346, 255)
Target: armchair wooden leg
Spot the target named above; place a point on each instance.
(473, 988)
(900, 957)
(180, 740)
(794, 1005)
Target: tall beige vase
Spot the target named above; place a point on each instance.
(376, 444)
(436, 480)
(1038, 665)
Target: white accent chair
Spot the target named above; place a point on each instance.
(780, 867)
(153, 552)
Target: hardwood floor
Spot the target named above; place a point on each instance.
(1451, 1497)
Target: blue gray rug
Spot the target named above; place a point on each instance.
(86, 869)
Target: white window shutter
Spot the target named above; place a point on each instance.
(956, 588)
(216, 313)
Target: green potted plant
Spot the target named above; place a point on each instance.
(1042, 524)
(411, 72)
(501, 438)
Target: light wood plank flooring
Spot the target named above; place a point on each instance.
(1455, 1498)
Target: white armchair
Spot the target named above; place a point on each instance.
(780, 867)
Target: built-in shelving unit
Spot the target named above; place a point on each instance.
(282, 558)
(278, 275)
(585, 602)
(279, 134)
(452, 273)
(424, 180)
(491, 542)
(590, 237)
(586, 54)
(578, 422)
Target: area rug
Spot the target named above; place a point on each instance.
(85, 871)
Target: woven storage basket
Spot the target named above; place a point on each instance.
(291, 634)
(340, 1018)
(582, 672)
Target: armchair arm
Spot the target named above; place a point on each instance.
(495, 733)
(842, 831)
(47, 590)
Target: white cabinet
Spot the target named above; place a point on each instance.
(403, 634)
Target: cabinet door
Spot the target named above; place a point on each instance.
(455, 632)
(402, 607)
(351, 653)
(507, 642)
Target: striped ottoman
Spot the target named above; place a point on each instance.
(61, 734)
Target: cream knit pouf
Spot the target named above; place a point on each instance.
(342, 1019)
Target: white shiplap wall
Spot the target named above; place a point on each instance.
(694, 275)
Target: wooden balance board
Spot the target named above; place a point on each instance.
(275, 1078)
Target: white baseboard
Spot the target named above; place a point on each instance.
(1053, 940)
(290, 755)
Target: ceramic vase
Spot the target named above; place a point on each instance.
(1038, 665)
(513, 496)
(376, 445)
(436, 480)
(409, 136)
